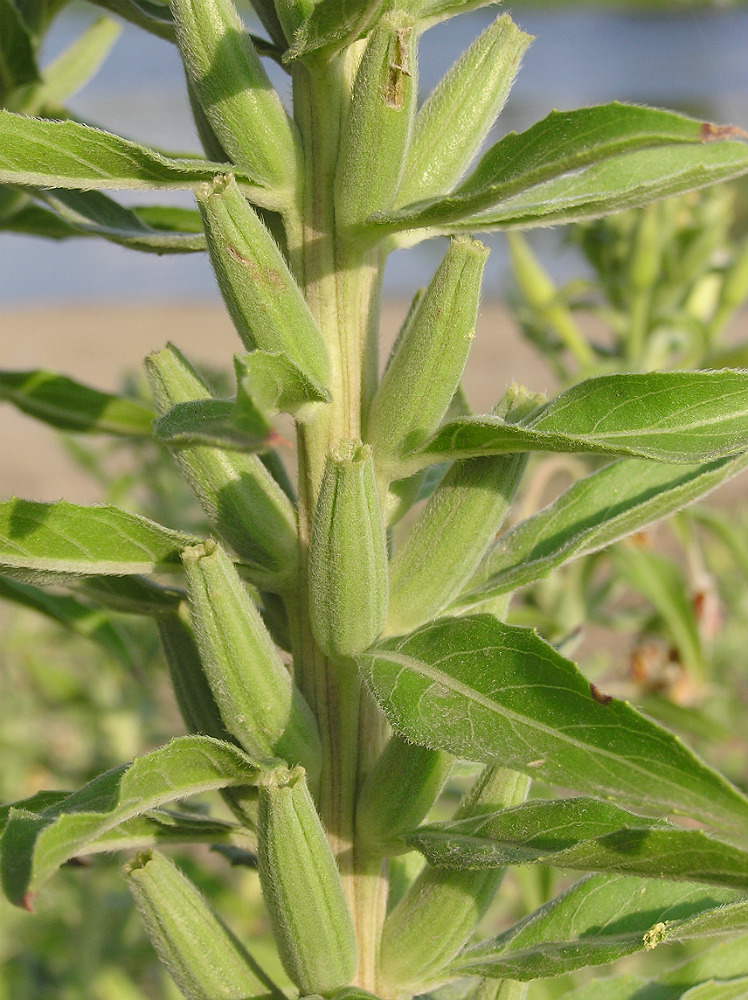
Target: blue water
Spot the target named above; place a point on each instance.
(694, 61)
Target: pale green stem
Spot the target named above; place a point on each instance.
(342, 291)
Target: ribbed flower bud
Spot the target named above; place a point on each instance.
(303, 893)
(375, 136)
(235, 92)
(425, 369)
(266, 304)
(243, 502)
(440, 910)
(398, 793)
(348, 555)
(456, 118)
(454, 529)
(203, 957)
(259, 703)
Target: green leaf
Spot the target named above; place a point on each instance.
(206, 422)
(599, 920)
(34, 845)
(497, 693)
(67, 154)
(64, 538)
(153, 229)
(585, 835)
(565, 143)
(132, 595)
(70, 406)
(274, 382)
(628, 987)
(683, 417)
(72, 614)
(608, 187)
(333, 23)
(36, 803)
(33, 220)
(151, 16)
(596, 511)
(17, 62)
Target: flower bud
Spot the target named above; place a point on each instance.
(425, 370)
(348, 555)
(375, 136)
(234, 91)
(300, 882)
(265, 302)
(203, 957)
(454, 529)
(453, 123)
(259, 703)
(398, 793)
(243, 502)
(440, 910)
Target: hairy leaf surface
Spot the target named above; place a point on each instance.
(586, 835)
(601, 919)
(497, 693)
(686, 417)
(71, 406)
(73, 540)
(596, 511)
(66, 154)
(34, 845)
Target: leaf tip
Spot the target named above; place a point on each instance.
(27, 902)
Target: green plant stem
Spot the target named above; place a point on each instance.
(342, 288)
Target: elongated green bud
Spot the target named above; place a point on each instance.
(235, 92)
(203, 957)
(456, 118)
(300, 882)
(348, 555)
(259, 703)
(375, 136)
(440, 910)
(243, 502)
(426, 368)
(265, 302)
(403, 785)
(454, 529)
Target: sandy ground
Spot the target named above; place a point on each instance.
(97, 346)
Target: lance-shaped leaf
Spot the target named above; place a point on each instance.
(70, 406)
(717, 971)
(596, 511)
(132, 595)
(683, 417)
(71, 540)
(560, 144)
(73, 614)
(608, 187)
(206, 422)
(152, 16)
(152, 229)
(497, 693)
(586, 835)
(66, 154)
(630, 987)
(600, 919)
(34, 845)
